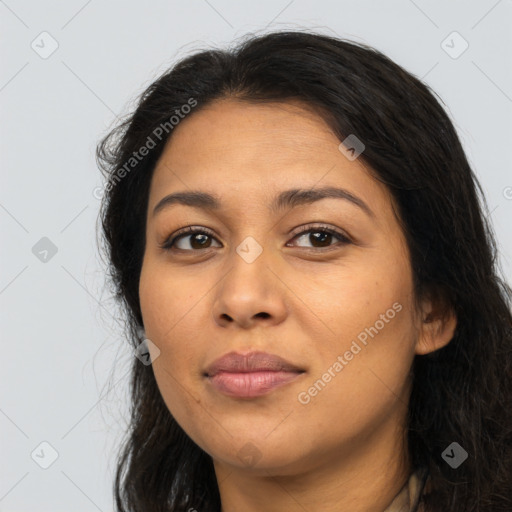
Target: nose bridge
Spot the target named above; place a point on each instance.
(250, 288)
(251, 230)
(249, 264)
(250, 250)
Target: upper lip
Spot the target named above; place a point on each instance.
(251, 362)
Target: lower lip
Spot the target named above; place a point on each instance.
(251, 384)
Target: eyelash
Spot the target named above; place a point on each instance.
(189, 230)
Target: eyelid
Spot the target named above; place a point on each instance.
(301, 230)
(188, 230)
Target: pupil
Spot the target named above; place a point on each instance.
(322, 236)
(204, 238)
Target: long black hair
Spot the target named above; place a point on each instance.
(461, 393)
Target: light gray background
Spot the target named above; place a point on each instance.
(60, 340)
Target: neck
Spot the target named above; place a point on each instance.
(364, 478)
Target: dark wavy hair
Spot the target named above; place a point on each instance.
(461, 393)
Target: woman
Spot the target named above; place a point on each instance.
(295, 230)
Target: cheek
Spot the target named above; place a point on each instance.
(346, 300)
(170, 314)
(165, 300)
(184, 403)
(175, 369)
(362, 380)
(368, 312)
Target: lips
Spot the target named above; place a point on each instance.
(250, 375)
(252, 362)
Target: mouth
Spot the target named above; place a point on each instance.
(250, 375)
(250, 384)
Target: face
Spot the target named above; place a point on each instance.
(324, 284)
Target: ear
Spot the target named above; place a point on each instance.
(438, 323)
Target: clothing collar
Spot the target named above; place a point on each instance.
(409, 497)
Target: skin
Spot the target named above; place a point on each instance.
(345, 449)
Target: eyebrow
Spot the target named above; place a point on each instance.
(286, 199)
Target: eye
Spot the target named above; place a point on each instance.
(322, 235)
(200, 238)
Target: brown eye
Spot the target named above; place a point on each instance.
(321, 237)
(198, 239)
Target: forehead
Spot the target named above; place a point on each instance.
(258, 149)
(289, 127)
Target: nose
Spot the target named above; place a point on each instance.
(250, 294)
